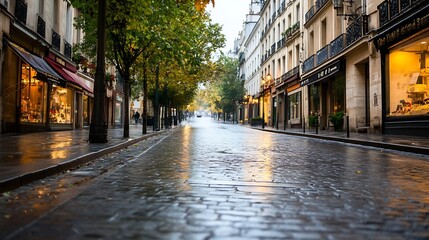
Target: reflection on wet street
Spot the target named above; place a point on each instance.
(210, 180)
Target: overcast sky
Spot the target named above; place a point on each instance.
(230, 14)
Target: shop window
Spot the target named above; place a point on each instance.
(33, 96)
(294, 108)
(118, 113)
(85, 110)
(337, 94)
(314, 98)
(61, 105)
(407, 85)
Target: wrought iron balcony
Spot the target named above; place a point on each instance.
(322, 55)
(56, 40)
(390, 9)
(308, 64)
(357, 29)
(21, 11)
(41, 26)
(337, 45)
(320, 3)
(273, 48)
(310, 13)
(67, 50)
(279, 44)
(283, 5)
(290, 73)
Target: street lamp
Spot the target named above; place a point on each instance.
(344, 8)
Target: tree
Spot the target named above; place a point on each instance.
(155, 32)
(228, 90)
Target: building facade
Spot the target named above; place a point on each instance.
(321, 59)
(401, 48)
(43, 87)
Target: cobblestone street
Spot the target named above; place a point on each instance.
(209, 180)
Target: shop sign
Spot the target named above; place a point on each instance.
(60, 61)
(324, 73)
(407, 27)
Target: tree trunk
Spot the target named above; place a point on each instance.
(126, 107)
(144, 116)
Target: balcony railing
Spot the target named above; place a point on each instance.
(320, 3)
(390, 9)
(41, 26)
(308, 63)
(56, 40)
(337, 45)
(21, 11)
(273, 48)
(322, 55)
(67, 50)
(310, 13)
(283, 5)
(290, 73)
(314, 9)
(279, 44)
(357, 29)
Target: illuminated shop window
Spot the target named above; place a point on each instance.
(61, 105)
(33, 96)
(407, 86)
(294, 107)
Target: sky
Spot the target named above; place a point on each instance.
(230, 14)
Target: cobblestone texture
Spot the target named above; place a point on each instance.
(215, 181)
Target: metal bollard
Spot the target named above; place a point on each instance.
(347, 125)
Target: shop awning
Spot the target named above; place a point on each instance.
(44, 71)
(69, 75)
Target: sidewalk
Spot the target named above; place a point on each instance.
(28, 157)
(412, 144)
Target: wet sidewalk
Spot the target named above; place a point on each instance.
(412, 144)
(27, 157)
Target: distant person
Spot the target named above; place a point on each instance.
(137, 116)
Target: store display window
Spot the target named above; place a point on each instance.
(61, 105)
(407, 85)
(294, 107)
(118, 113)
(33, 96)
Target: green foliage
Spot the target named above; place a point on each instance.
(337, 119)
(142, 34)
(312, 119)
(227, 89)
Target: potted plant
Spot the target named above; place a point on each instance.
(337, 119)
(255, 121)
(312, 120)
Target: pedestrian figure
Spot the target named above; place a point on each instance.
(137, 116)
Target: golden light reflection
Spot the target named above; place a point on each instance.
(184, 162)
(257, 166)
(58, 149)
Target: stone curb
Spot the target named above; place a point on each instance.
(18, 181)
(391, 146)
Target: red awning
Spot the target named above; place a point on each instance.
(68, 75)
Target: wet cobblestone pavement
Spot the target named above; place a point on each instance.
(208, 180)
